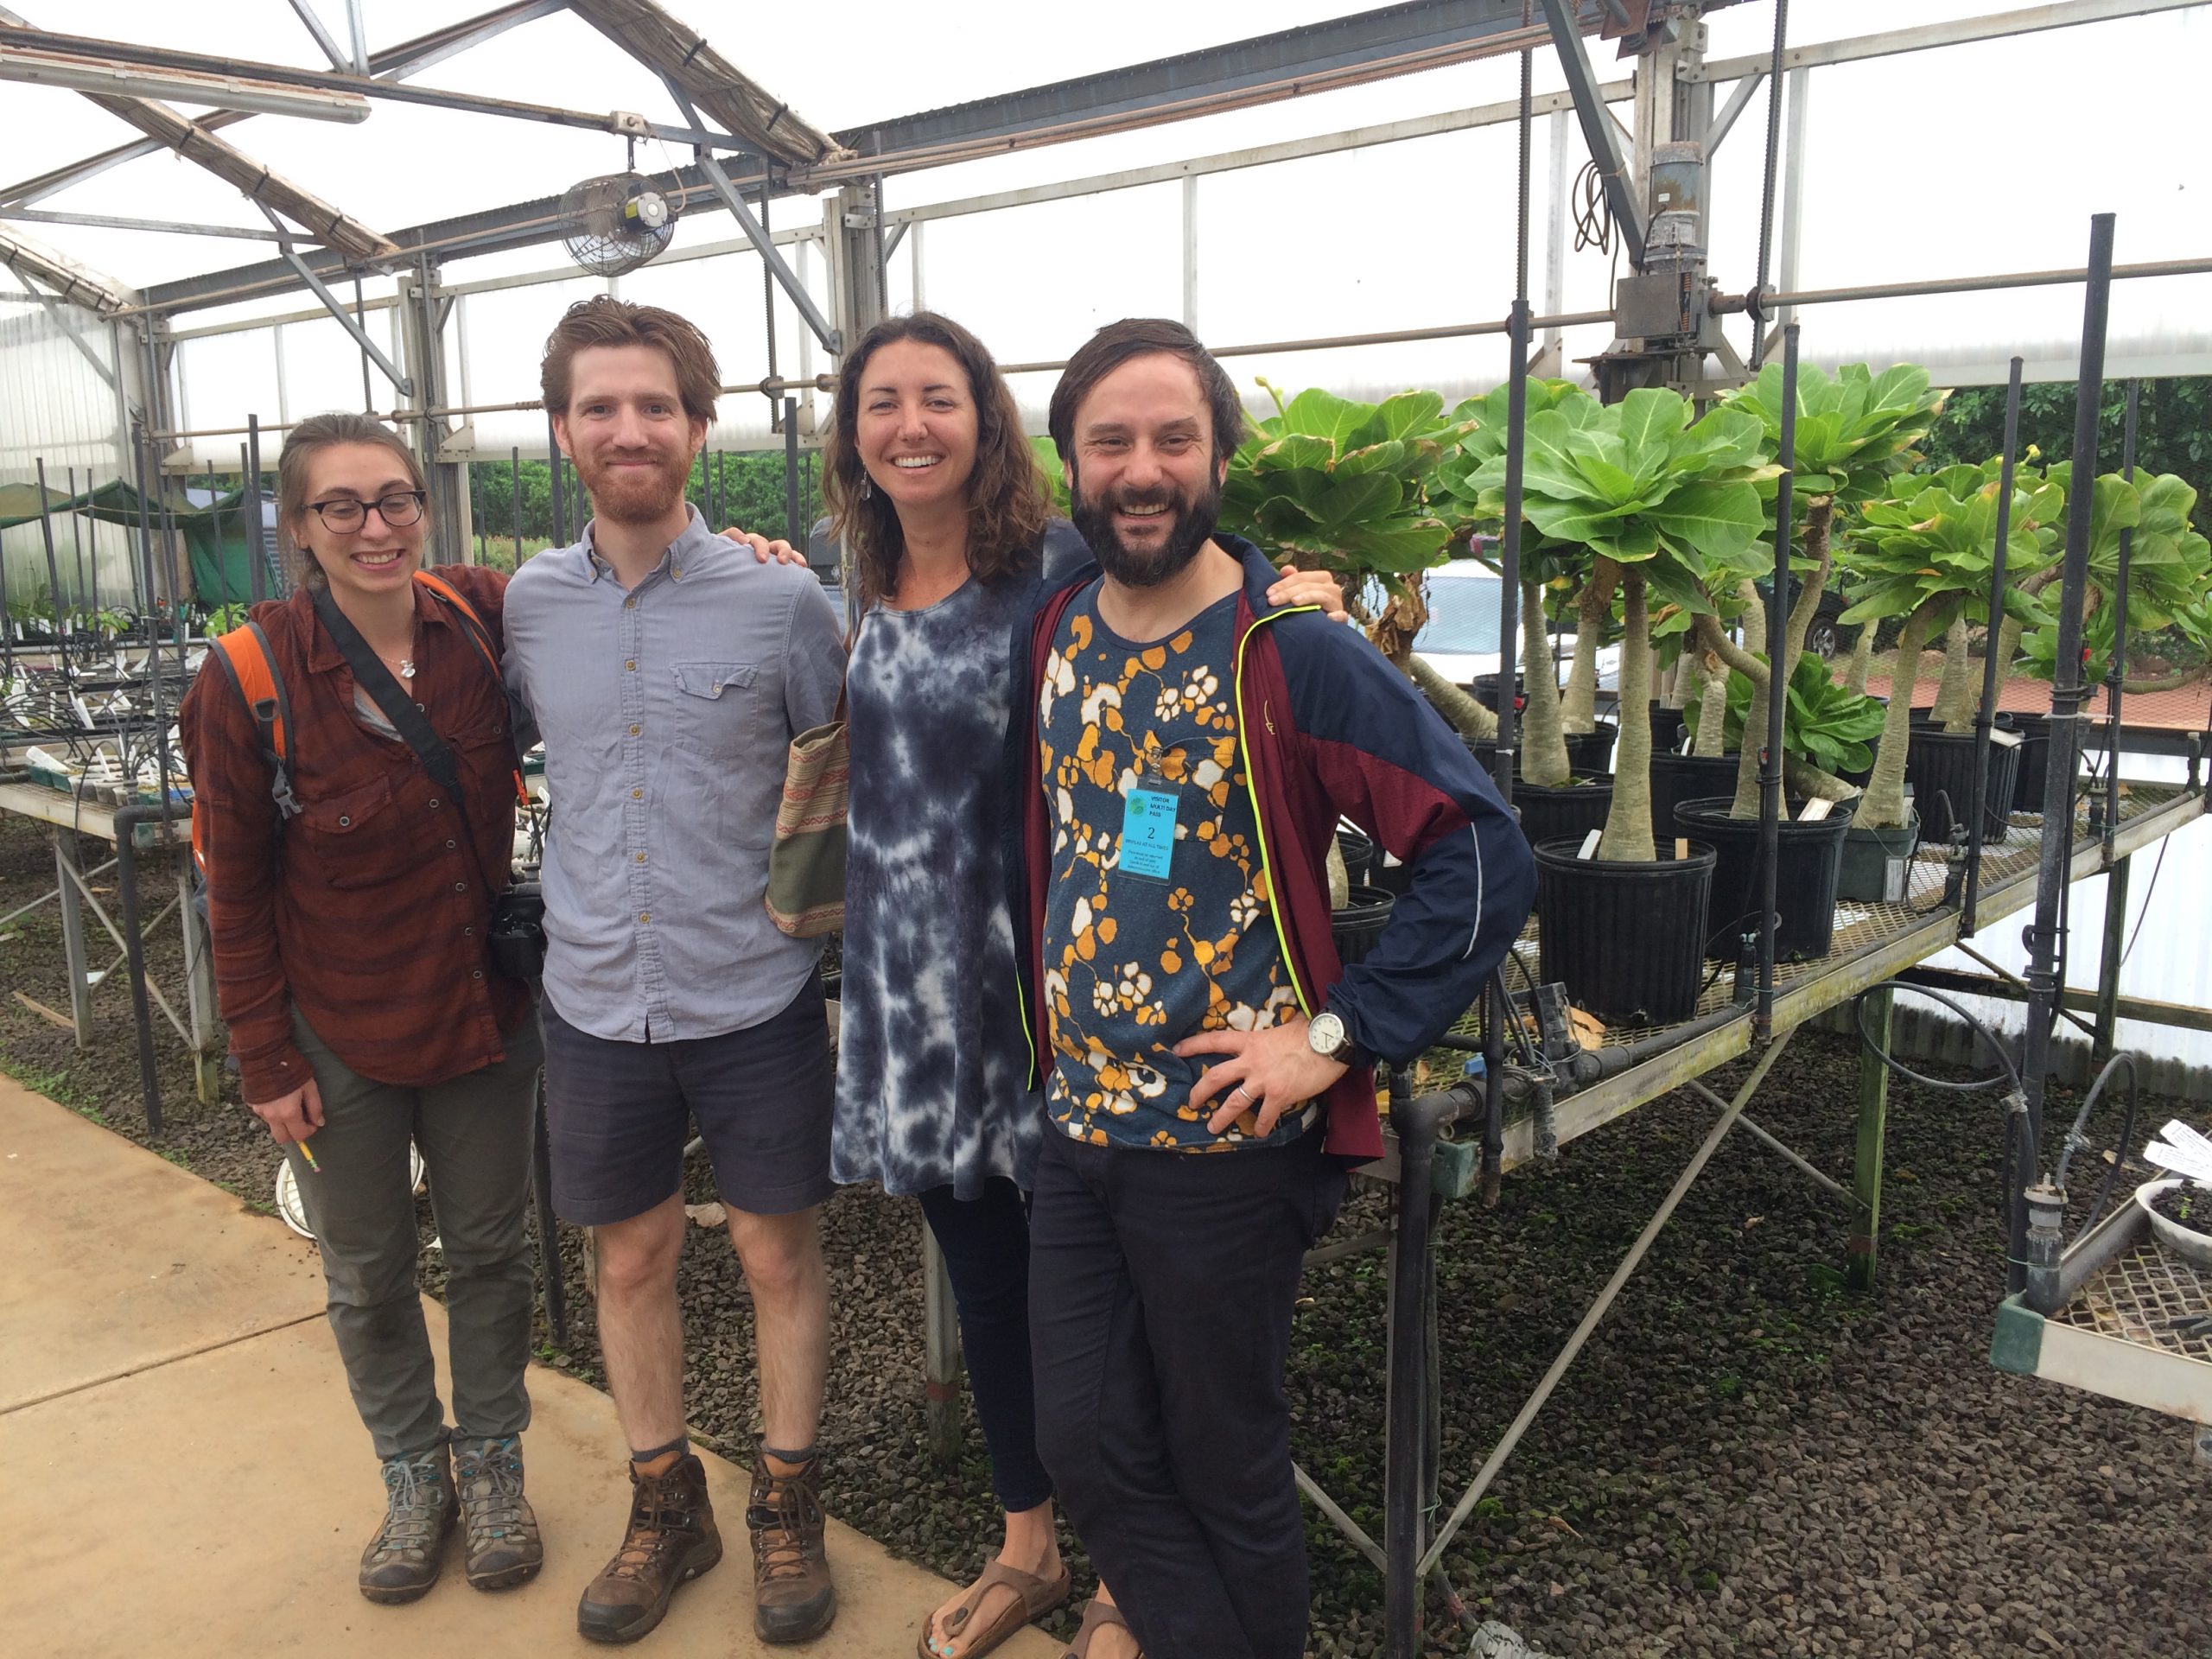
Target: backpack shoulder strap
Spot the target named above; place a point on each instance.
(471, 624)
(251, 665)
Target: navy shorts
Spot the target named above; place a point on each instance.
(618, 1115)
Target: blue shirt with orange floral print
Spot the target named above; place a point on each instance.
(1170, 935)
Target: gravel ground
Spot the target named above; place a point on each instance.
(1745, 1460)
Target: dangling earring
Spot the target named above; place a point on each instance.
(867, 487)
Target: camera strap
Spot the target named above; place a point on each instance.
(407, 719)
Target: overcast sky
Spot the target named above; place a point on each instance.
(1982, 158)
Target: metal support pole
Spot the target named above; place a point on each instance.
(553, 483)
(127, 820)
(1621, 194)
(2067, 695)
(1793, 189)
(1874, 1131)
(1985, 713)
(1418, 1124)
(68, 875)
(53, 565)
(1777, 682)
(198, 989)
(514, 472)
(941, 1355)
(77, 540)
(258, 565)
(796, 534)
(1190, 253)
(2108, 964)
(1774, 93)
(2116, 671)
(551, 1285)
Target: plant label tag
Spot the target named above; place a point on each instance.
(1681, 848)
(2004, 740)
(1894, 880)
(1589, 848)
(1814, 811)
(1149, 833)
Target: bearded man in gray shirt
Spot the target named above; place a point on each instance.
(668, 671)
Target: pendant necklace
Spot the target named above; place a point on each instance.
(407, 668)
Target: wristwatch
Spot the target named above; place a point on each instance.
(1326, 1036)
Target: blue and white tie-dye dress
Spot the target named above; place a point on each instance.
(932, 1065)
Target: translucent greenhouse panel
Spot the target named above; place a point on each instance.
(55, 406)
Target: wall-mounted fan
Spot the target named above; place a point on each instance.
(617, 222)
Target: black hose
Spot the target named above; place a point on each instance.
(2009, 1074)
(2077, 1139)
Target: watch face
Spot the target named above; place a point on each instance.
(1325, 1034)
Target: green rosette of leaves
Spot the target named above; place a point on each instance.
(1855, 430)
(1923, 552)
(1825, 726)
(1659, 501)
(2168, 577)
(1548, 563)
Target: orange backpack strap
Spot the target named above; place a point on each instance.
(247, 657)
(479, 636)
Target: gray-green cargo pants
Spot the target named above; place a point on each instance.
(475, 1134)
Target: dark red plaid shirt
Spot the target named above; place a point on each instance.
(366, 912)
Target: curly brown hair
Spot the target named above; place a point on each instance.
(1008, 500)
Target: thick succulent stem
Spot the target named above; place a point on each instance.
(2009, 630)
(1628, 825)
(1716, 640)
(1862, 659)
(1818, 547)
(1579, 708)
(1543, 740)
(1711, 706)
(1883, 808)
(1753, 621)
(1809, 782)
(1955, 697)
(1461, 711)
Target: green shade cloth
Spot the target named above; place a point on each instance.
(221, 556)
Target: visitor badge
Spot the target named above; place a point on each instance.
(1149, 828)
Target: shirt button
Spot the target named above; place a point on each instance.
(468, 933)
(634, 731)
(343, 821)
(461, 886)
(631, 603)
(449, 843)
(676, 572)
(637, 794)
(497, 730)
(641, 858)
(645, 916)
(476, 973)
(434, 806)
(632, 665)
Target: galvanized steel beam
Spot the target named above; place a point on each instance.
(1598, 128)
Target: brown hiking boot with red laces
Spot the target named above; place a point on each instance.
(671, 1538)
(792, 1598)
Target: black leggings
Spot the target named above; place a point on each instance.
(986, 1245)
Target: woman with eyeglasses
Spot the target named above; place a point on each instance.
(349, 895)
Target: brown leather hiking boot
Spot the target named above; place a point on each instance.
(792, 1598)
(500, 1527)
(671, 1538)
(402, 1561)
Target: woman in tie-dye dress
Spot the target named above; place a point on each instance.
(928, 476)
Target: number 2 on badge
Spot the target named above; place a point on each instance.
(1149, 833)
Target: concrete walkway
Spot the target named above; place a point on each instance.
(181, 1471)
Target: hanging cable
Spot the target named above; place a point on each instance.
(1594, 217)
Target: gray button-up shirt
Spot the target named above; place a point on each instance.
(667, 712)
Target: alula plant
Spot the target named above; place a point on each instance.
(1659, 499)
(1854, 431)
(1547, 561)
(1827, 728)
(1923, 552)
(2168, 578)
(1343, 486)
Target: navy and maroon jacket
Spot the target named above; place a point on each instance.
(1327, 728)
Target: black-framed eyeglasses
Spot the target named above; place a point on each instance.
(343, 514)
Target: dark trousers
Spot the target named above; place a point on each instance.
(985, 1241)
(1162, 1288)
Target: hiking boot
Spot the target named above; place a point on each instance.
(402, 1561)
(792, 1598)
(497, 1521)
(671, 1538)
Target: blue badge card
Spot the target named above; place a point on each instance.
(1148, 830)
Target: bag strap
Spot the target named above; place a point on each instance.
(252, 667)
(410, 721)
(481, 637)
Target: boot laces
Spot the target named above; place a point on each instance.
(655, 1516)
(412, 1499)
(491, 1480)
(782, 1519)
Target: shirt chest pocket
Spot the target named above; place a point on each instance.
(716, 707)
(353, 836)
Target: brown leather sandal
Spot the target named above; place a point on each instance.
(1034, 1598)
(1097, 1615)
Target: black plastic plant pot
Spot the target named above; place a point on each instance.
(1358, 853)
(1806, 858)
(1685, 777)
(1485, 689)
(1548, 812)
(2034, 761)
(1876, 864)
(1667, 726)
(1624, 938)
(1360, 922)
(1940, 767)
(1592, 751)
